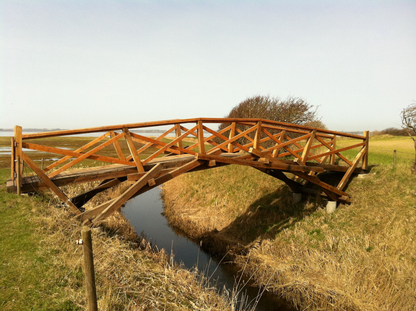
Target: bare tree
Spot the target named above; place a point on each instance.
(408, 116)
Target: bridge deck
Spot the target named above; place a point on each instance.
(81, 175)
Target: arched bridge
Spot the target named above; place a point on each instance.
(292, 153)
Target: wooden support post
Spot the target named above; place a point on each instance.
(365, 156)
(133, 151)
(43, 164)
(178, 134)
(307, 148)
(89, 270)
(201, 137)
(282, 140)
(117, 147)
(257, 137)
(19, 176)
(334, 146)
(232, 134)
(50, 184)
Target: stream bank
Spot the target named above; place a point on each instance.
(145, 216)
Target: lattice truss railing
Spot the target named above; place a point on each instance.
(273, 147)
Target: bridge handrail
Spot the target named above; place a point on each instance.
(288, 126)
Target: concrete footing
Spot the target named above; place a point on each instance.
(297, 197)
(331, 206)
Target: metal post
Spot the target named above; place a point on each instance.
(89, 270)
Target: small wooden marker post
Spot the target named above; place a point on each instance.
(89, 269)
(395, 158)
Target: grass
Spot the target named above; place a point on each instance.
(362, 257)
(42, 265)
(29, 280)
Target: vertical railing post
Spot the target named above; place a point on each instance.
(365, 157)
(232, 134)
(334, 145)
(178, 134)
(201, 137)
(307, 148)
(89, 270)
(257, 137)
(133, 151)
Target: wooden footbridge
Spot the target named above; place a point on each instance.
(292, 153)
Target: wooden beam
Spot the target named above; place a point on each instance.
(74, 154)
(257, 136)
(231, 135)
(337, 151)
(50, 184)
(151, 142)
(287, 126)
(83, 198)
(201, 141)
(307, 148)
(294, 186)
(348, 173)
(255, 164)
(116, 205)
(168, 145)
(333, 147)
(159, 145)
(133, 151)
(62, 160)
(178, 134)
(320, 183)
(117, 147)
(86, 155)
(230, 141)
(91, 214)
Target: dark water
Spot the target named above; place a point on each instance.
(145, 215)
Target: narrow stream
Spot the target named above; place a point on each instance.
(145, 215)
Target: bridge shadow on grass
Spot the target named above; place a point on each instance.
(264, 219)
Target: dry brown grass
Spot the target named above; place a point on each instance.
(130, 274)
(362, 257)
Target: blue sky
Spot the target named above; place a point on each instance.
(75, 64)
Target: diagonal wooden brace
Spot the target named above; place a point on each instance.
(50, 184)
(116, 204)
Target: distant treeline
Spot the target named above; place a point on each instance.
(394, 132)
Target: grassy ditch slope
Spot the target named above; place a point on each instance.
(41, 265)
(361, 257)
